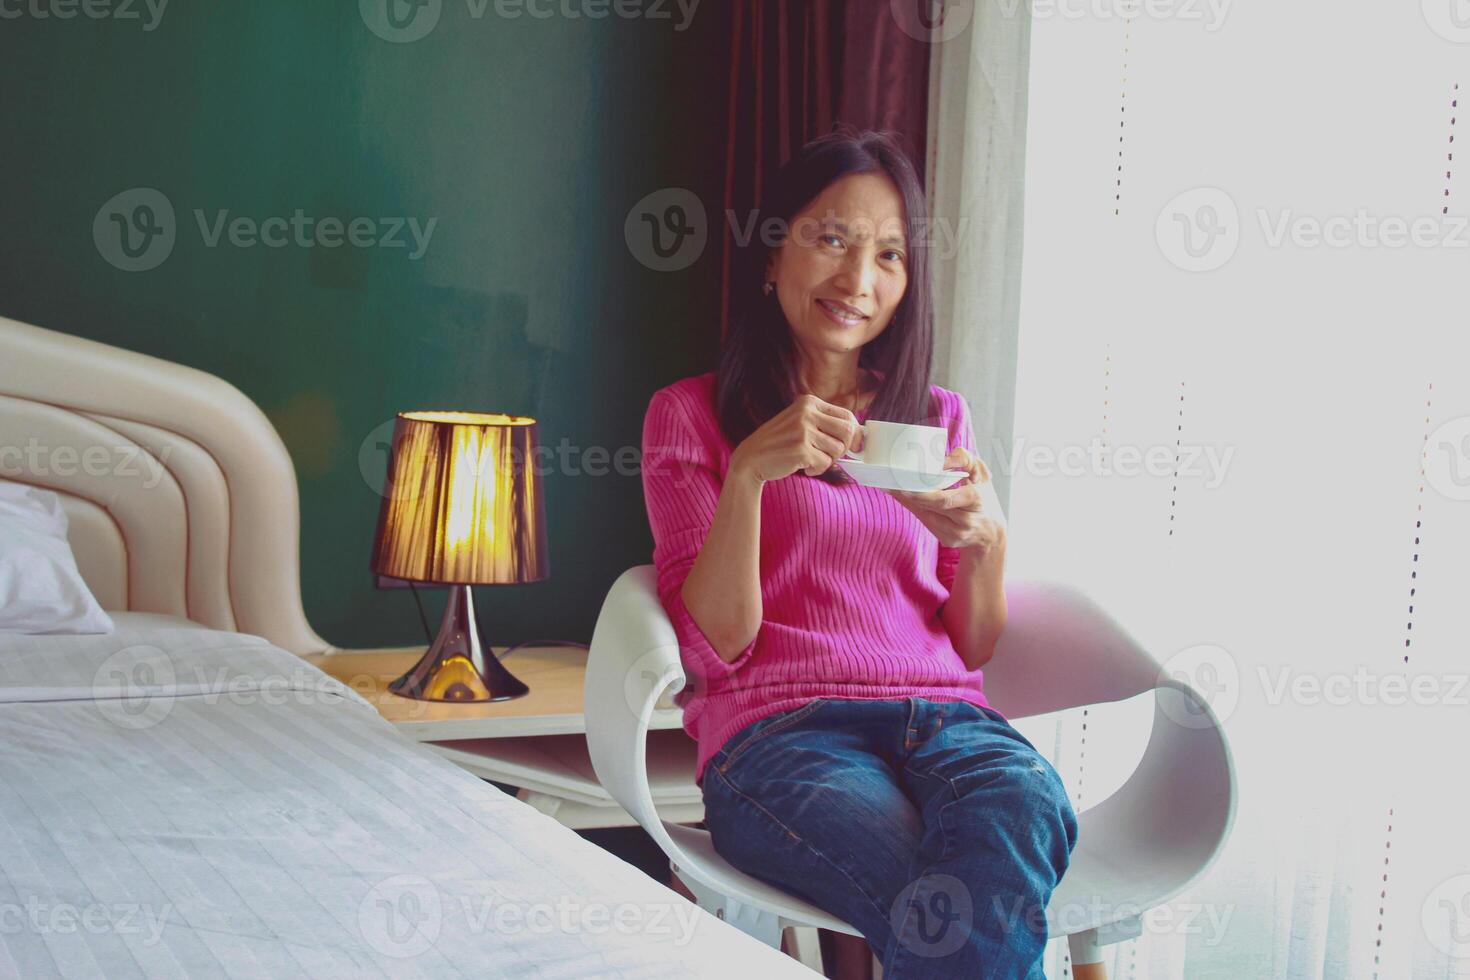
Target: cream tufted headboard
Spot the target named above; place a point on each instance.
(181, 496)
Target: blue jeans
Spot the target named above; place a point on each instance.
(933, 827)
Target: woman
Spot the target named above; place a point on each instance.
(833, 635)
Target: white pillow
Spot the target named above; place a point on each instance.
(41, 590)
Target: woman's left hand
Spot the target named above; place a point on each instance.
(966, 515)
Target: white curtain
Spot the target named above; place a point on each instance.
(976, 154)
(1242, 423)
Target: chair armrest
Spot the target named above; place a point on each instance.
(1162, 829)
(633, 659)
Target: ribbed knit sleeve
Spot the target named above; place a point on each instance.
(961, 433)
(681, 488)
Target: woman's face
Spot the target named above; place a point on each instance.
(843, 267)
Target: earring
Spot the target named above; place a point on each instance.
(769, 286)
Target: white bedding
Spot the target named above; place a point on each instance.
(176, 801)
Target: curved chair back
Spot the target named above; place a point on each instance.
(1060, 650)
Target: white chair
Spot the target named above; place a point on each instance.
(1136, 849)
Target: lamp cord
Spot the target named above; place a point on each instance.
(429, 637)
(543, 643)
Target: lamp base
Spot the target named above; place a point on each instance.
(458, 667)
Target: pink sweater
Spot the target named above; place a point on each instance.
(851, 582)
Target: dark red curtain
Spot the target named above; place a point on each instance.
(799, 68)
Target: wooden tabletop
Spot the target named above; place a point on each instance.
(553, 707)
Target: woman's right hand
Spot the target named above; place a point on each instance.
(806, 435)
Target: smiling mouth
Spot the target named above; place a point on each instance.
(840, 313)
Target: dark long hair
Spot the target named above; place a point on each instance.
(758, 372)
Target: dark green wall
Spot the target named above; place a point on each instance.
(528, 139)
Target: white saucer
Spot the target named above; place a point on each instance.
(882, 477)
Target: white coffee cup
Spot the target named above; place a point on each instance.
(904, 446)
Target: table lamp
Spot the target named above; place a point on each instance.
(462, 506)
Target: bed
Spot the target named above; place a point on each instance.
(186, 796)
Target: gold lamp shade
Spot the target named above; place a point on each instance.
(463, 503)
(462, 506)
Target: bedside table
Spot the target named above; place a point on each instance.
(536, 743)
